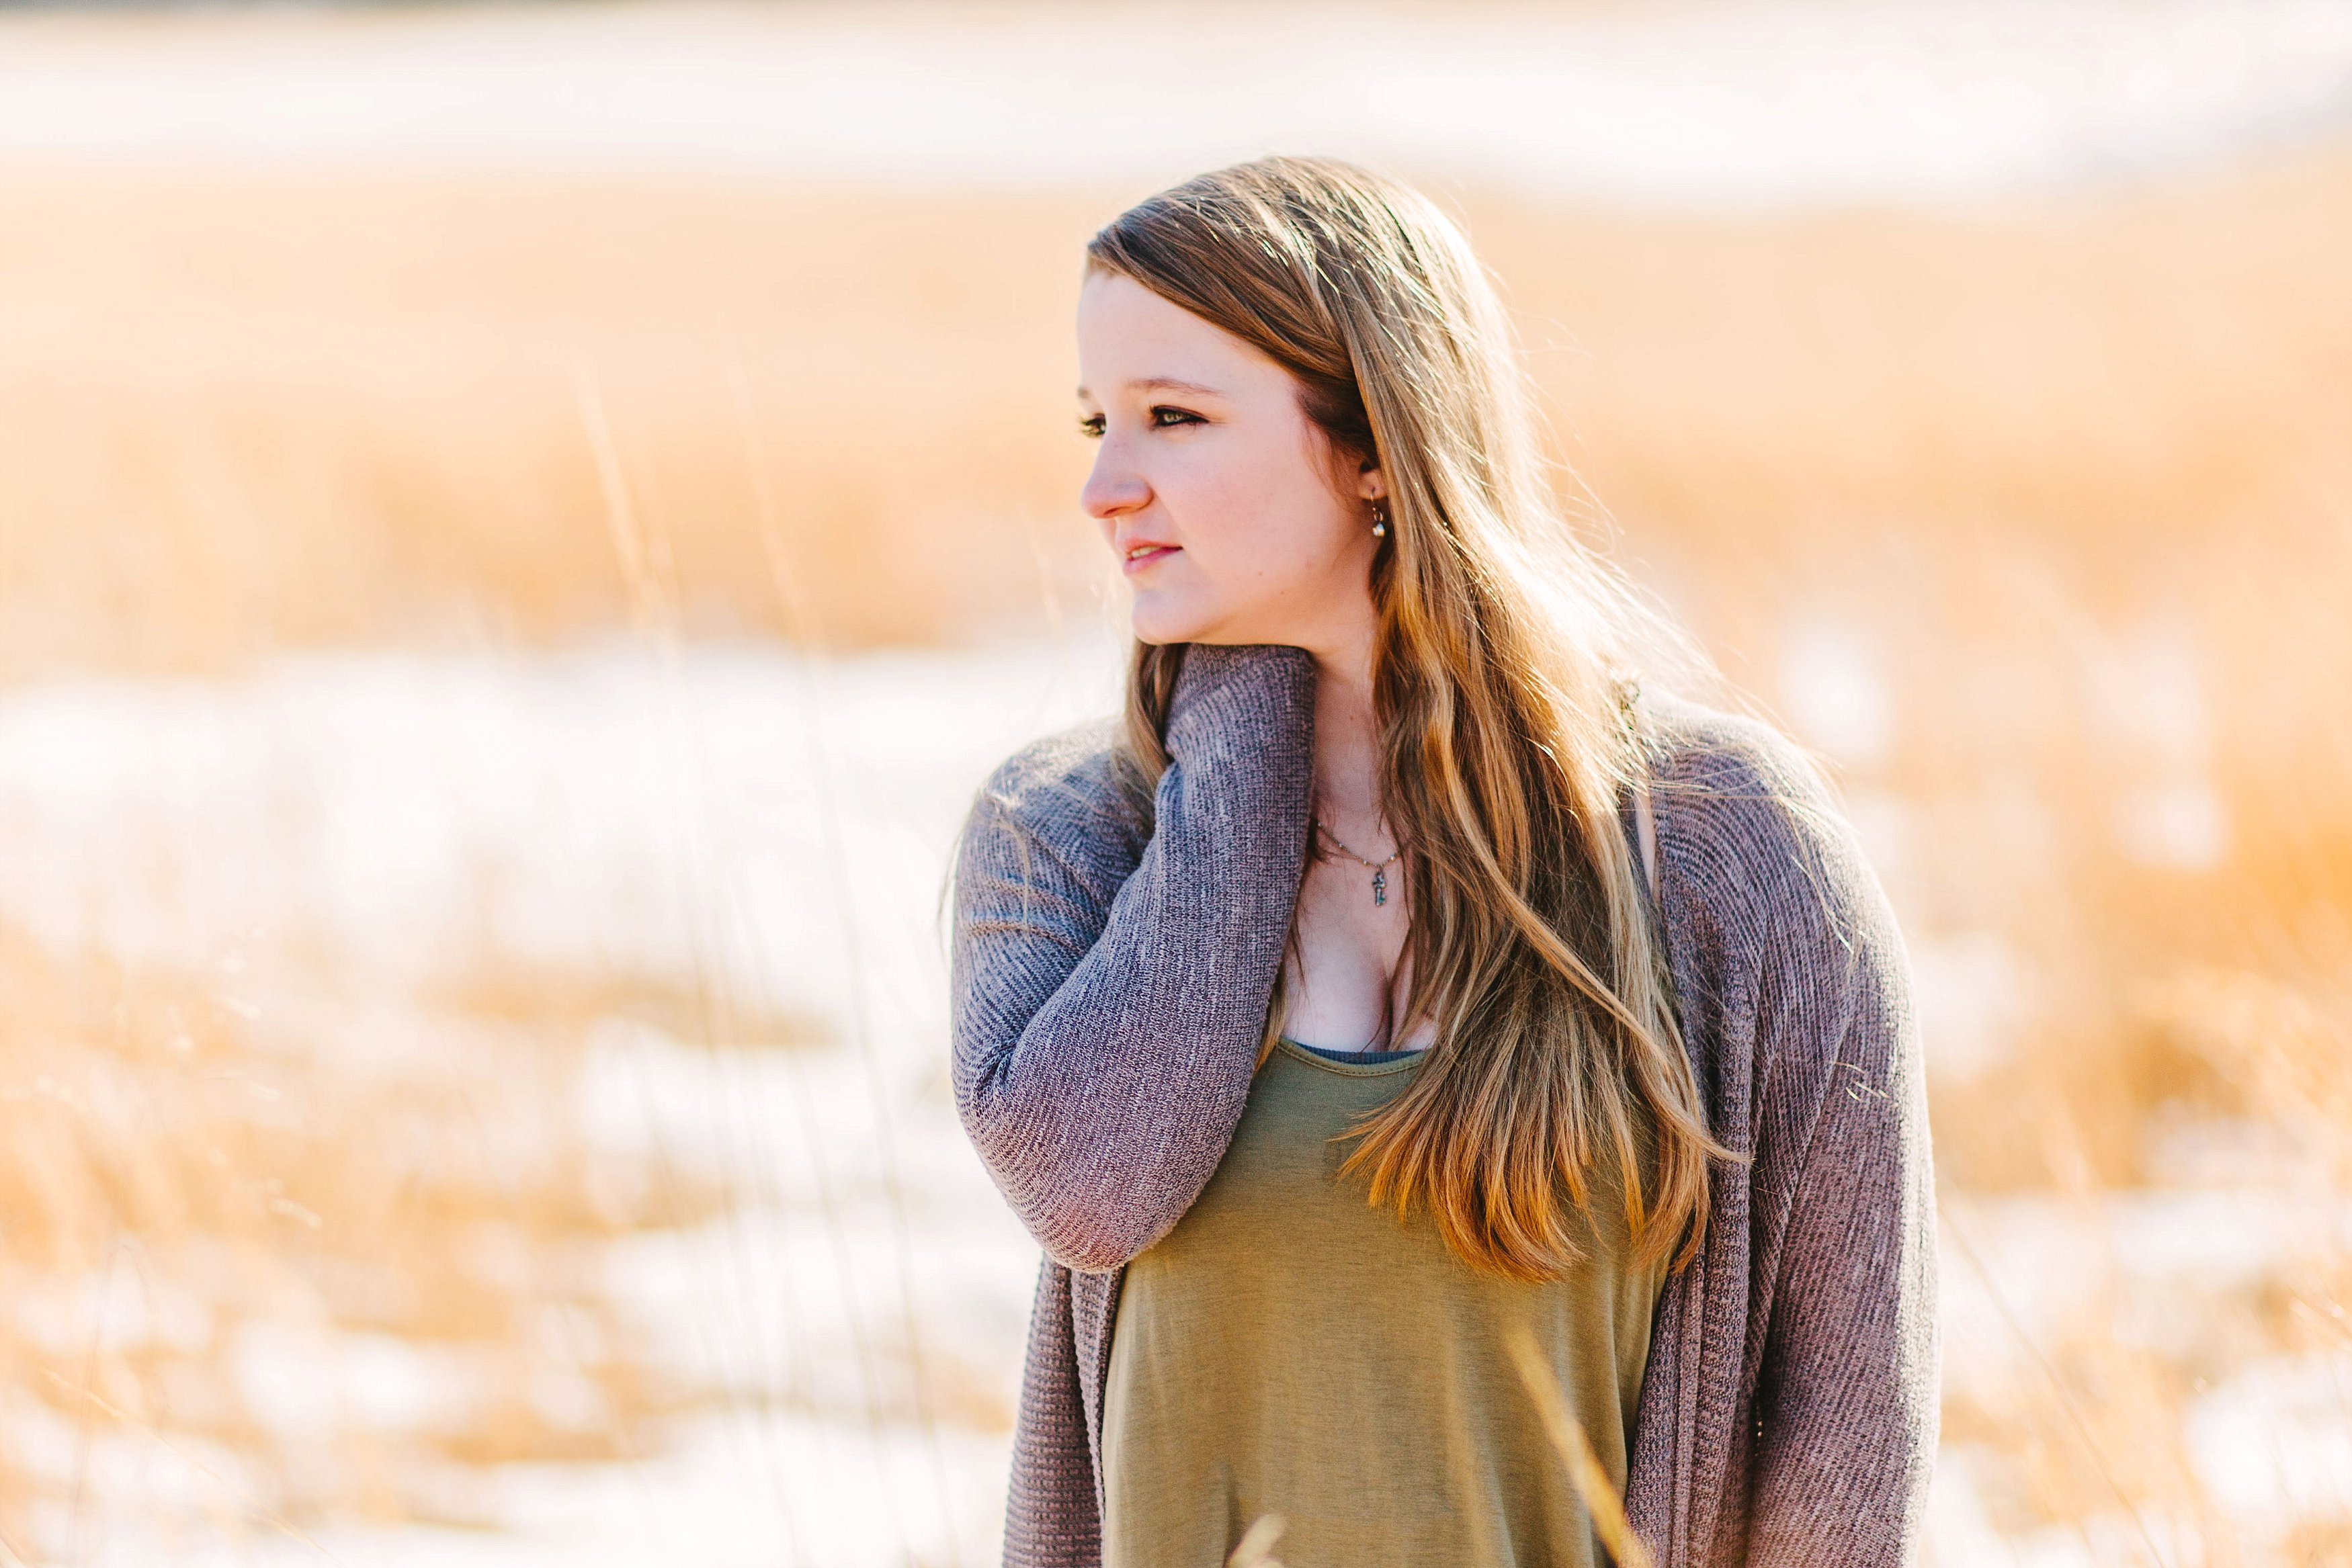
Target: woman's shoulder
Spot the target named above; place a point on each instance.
(1702, 752)
(1070, 765)
(1751, 828)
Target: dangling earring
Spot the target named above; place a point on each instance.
(1380, 519)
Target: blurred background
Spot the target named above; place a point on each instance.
(523, 526)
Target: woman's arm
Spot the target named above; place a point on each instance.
(1846, 1398)
(1106, 1031)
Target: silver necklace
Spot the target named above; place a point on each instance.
(1379, 868)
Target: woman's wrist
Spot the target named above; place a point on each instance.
(1253, 695)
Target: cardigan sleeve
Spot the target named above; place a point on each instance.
(1106, 1031)
(1846, 1399)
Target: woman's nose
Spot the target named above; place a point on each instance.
(1113, 487)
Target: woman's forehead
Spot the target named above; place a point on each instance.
(1134, 341)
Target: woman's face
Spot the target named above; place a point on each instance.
(1223, 502)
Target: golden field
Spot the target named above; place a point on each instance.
(2034, 516)
(247, 412)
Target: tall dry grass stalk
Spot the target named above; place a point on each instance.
(1603, 1502)
(1255, 1549)
(645, 547)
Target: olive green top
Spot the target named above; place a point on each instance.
(1289, 1349)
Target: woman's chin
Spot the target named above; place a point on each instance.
(1161, 623)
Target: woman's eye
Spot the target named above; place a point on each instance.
(1164, 418)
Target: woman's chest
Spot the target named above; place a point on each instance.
(1289, 1348)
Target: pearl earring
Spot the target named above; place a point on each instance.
(1379, 521)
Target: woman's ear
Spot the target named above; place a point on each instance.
(1369, 485)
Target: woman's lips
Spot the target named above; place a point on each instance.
(1135, 563)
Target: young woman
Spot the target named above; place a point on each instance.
(1396, 986)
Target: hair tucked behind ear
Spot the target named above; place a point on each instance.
(1504, 685)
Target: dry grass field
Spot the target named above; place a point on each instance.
(247, 412)
(2036, 517)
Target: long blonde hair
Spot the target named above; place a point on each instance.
(1504, 677)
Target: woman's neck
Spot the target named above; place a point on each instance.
(1347, 737)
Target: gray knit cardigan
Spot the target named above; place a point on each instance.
(1109, 982)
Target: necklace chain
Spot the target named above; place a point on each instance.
(1379, 868)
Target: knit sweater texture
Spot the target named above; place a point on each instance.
(1110, 982)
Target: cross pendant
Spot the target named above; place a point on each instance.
(1379, 884)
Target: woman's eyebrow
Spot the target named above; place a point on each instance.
(1164, 383)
